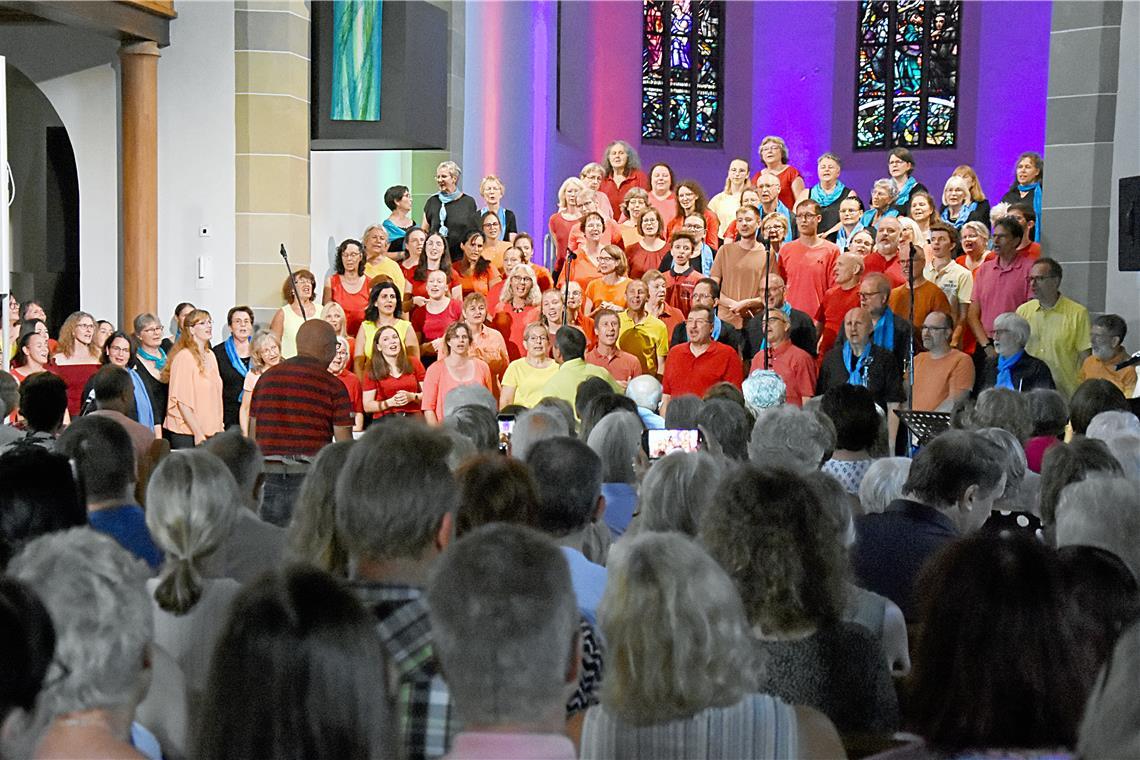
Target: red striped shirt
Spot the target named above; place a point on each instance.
(297, 404)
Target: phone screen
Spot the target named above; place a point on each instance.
(661, 443)
(506, 425)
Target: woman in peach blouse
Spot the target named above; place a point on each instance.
(194, 406)
(487, 343)
(456, 368)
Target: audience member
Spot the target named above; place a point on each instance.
(726, 425)
(883, 483)
(1091, 398)
(38, 495)
(645, 390)
(477, 423)
(1113, 424)
(114, 399)
(1110, 724)
(1016, 508)
(858, 428)
(763, 389)
(788, 438)
(43, 405)
(1082, 459)
(1005, 409)
(29, 648)
(675, 491)
(312, 536)
(1050, 413)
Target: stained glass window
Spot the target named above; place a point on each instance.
(681, 71)
(906, 91)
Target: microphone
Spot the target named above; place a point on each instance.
(570, 256)
(284, 255)
(1131, 361)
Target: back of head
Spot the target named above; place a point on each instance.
(43, 401)
(954, 461)
(645, 390)
(104, 458)
(504, 621)
(787, 436)
(469, 395)
(312, 535)
(1111, 723)
(570, 342)
(602, 406)
(299, 654)
(883, 483)
(728, 424)
(588, 390)
(1069, 463)
(1103, 513)
(192, 502)
(478, 423)
(1090, 399)
(9, 394)
(998, 664)
(27, 646)
(534, 426)
(95, 592)
(682, 412)
(1112, 424)
(1126, 450)
(242, 457)
(493, 489)
(1049, 410)
(111, 383)
(677, 638)
(568, 476)
(38, 495)
(562, 408)
(1003, 408)
(616, 439)
(767, 529)
(675, 491)
(316, 339)
(852, 410)
(763, 389)
(394, 491)
(1014, 462)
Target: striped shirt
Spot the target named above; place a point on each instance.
(297, 404)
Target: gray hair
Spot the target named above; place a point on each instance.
(787, 436)
(394, 491)
(311, 535)
(191, 504)
(1126, 449)
(616, 439)
(675, 491)
(645, 390)
(451, 167)
(1108, 425)
(504, 621)
(1014, 324)
(95, 592)
(1002, 408)
(887, 184)
(1103, 513)
(469, 395)
(562, 408)
(1112, 715)
(476, 422)
(242, 456)
(1015, 464)
(676, 631)
(683, 411)
(883, 483)
(533, 426)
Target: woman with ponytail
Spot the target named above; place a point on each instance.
(191, 506)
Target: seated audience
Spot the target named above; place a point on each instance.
(476, 423)
(768, 529)
(1106, 426)
(1111, 723)
(303, 623)
(43, 405)
(616, 439)
(999, 670)
(883, 483)
(29, 649)
(38, 495)
(1011, 367)
(114, 395)
(687, 682)
(675, 491)
(1050, 413)
(763, 389)
(504, 621)
(726, 425)
(1091, 398)
(1016, 508)
(789, 438)
(1001, 408)
(312, 536)
(645, 390)
(538, 424)
(1082, 459)
(858, 427)
(949, 492)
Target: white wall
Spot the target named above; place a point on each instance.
(196, 173)
(1122, 296)
(87, 101)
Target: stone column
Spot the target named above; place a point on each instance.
(1084, 57)
(140, 177)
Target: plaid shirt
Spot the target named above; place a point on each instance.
(423, 702)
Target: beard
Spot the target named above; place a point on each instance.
(1103, 353)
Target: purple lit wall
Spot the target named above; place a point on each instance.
(789, 70)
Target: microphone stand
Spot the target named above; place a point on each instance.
(910, 351)
(293, 282)
(764, 320)
(567, 268)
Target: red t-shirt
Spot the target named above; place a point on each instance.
(685, 373)
(712, 226)
(641, 260)
(808, 272)
(420, 288)
(679, 289)
(390, 386)
(794, 366)
(353, 304)
(616, 193)
(297, 403)
(622, 366)
(560, 228)
(352, 385)
(874, 262)
(1031, 251)
(832, 309)
(431, 326)
(786, 177)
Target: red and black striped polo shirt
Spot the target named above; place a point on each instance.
(296, 405)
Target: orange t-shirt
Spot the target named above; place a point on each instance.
(598, 290)
(928, 297)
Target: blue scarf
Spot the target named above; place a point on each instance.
(884, 335)
(904, 192)
(159, 361)
(843, 237)
(1005, 369)
(1036, 188)
(824, 198)
(787, 309)
(706, 259)
(444, 199)
(235, 360)
(502, 214)
(869, 216)
(782, 209)
(716, 327)
(394, 231)
(857, 374)
(143, 409)
(963, 214)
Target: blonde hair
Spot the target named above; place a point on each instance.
(491, 178)
(621, 262)
(775, 216)
(186, 342)
(533, 296)
(566, 184)
(333, 306)
(260, 341)
(967, 172)
(955, 181)
(778, 141)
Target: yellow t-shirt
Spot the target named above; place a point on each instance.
(386, 266)
(528, 381)
(370, 329)
(648, 340)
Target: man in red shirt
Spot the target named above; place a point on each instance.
(696, 366)
(838, 300)
(621, 364)
(1025, 214)
(681, 277)
(808, 262)
(795, 366)
(298, 408)
(885, 257)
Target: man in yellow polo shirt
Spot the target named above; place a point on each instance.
(1059, 326)
(569, 348)
(642, 334)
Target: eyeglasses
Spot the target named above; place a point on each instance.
(928, 328)
(1041, 278)
(806, 216)
(864, 296)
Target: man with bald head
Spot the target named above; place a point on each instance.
(885, 257)
(859, 361)
(297, 408)
(839, 299)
